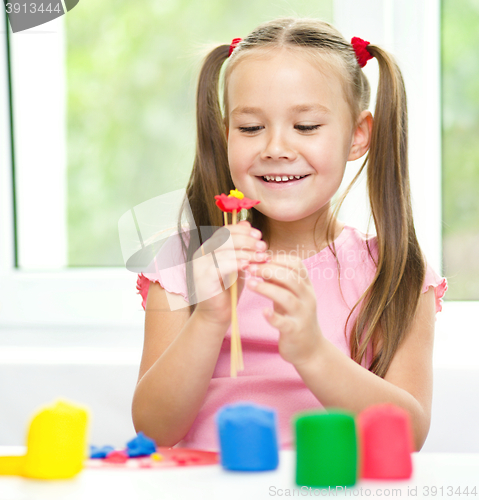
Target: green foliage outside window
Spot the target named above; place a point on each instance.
(131, 78)
(460, 100)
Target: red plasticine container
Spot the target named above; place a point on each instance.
(386, 442)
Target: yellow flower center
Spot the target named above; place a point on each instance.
(236, 194)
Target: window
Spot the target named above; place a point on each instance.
(104, 120)
(410, 31)
(460, 127)
(131, 108)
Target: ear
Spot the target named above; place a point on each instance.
(361, 136)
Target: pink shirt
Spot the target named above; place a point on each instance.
(267, 379)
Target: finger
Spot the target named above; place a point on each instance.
(293, 277)
(280, 282)
(279, 321)
(244, 242)
(240, 256)
(283, 299)
(220, 237)
(290, 264)
(244, 229)
(240, 242)
(224, 233)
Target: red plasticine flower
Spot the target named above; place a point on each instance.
(228, 203)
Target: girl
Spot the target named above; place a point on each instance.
(348, 323)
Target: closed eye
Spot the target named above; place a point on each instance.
(250, 130)
(307, 128)
(303, 128)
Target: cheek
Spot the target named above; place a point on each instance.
(325, 159)
(331, 153)
(239, 156)
(233, 160)
(237, 166)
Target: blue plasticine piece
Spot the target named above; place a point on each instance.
(248, 437)
(140, 446)
(100, 452)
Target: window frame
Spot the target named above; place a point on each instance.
(54, 295)
(107, 296)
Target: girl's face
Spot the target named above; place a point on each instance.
(287, 118)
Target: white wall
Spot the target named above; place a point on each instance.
(455, 411)
(94, 367)
(102, 375)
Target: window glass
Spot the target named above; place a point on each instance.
(460, 119)
(131, 82)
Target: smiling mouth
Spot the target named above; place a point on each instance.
(282, 179)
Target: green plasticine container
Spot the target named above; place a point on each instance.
(326, 449)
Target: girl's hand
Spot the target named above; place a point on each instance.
(287, 284)
(232, 257)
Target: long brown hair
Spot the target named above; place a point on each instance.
(388, 306)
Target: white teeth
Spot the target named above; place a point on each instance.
(282, 179)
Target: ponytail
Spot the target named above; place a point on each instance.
(210, 174)
(392, 298)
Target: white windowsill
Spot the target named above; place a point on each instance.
(88, 345)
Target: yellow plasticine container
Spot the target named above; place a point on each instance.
(12, 466)
(57, 442)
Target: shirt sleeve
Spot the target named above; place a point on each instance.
(168, 269)
(432, 279)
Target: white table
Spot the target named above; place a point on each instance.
(212, 482)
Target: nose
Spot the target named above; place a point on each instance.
(278, 147)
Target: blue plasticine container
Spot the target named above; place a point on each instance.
(248, 437)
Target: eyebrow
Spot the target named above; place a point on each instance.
(298, 108)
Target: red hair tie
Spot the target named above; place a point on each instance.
(362, 53)
(233, 45)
